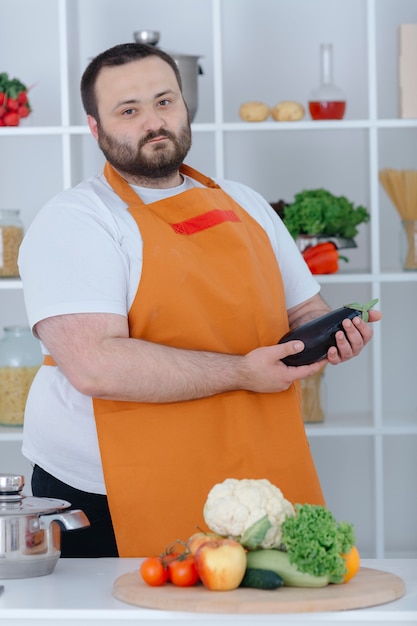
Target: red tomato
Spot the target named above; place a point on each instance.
(183, 572)
(153, 571)
(2, 97)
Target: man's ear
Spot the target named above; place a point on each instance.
(92, 123)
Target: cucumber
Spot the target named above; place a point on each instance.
(278, 561)
(261, 579)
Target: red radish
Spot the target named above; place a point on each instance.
(12, 104)
(23, 110)
(22, 98)
(11, 119)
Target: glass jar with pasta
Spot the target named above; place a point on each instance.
(20, 359)
(11, 235)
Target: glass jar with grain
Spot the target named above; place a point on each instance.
(11, 235)
(20, 359)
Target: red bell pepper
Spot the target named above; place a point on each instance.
(323, 258)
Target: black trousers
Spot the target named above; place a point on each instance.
(95, 541)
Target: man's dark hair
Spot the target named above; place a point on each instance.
(118, 55)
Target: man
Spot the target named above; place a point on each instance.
(159, 297)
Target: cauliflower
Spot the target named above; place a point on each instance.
(248, 510)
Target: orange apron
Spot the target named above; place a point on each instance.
(210, 281)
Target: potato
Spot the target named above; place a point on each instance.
(254, 111)
(288, 111)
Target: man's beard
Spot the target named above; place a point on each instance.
(162, 163)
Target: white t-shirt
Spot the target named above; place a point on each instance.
(83, 254)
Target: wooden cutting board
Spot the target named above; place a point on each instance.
(369, 588)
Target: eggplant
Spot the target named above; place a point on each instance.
(318, 335)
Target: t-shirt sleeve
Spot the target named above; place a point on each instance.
(71, 261)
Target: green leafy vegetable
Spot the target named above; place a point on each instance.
(11, 86)
(254, 535)
(315, 541)
(318, 212)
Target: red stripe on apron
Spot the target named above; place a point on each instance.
(206, 220)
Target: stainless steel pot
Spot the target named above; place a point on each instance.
(30, 530)
(188, 66)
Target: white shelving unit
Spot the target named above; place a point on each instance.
(266, 50)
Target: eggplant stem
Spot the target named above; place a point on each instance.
(364, 308)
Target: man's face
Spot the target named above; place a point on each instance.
(144, 127)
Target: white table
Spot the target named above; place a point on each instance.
(80, 591)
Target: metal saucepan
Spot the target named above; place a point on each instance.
(30, 530)
(187, 64)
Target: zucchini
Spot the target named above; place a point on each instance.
(261, 579)
(318, 335)
(279, 562)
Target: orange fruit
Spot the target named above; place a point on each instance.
(353, 562)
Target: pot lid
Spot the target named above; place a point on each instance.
(29, 505)
(13, 502)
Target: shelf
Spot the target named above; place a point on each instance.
(318, 125)
(32, 131)
(10, 283)
(362, 424)
(12, 433)
(267, 126)
(324, 430)
(390, 277)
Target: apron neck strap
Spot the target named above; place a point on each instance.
(125, 191)
(198, 176)
(121, 186)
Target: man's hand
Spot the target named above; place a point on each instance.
(263, 371)
(353, 339)
(349, 342)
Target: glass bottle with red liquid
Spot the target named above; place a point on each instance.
(327, 102)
